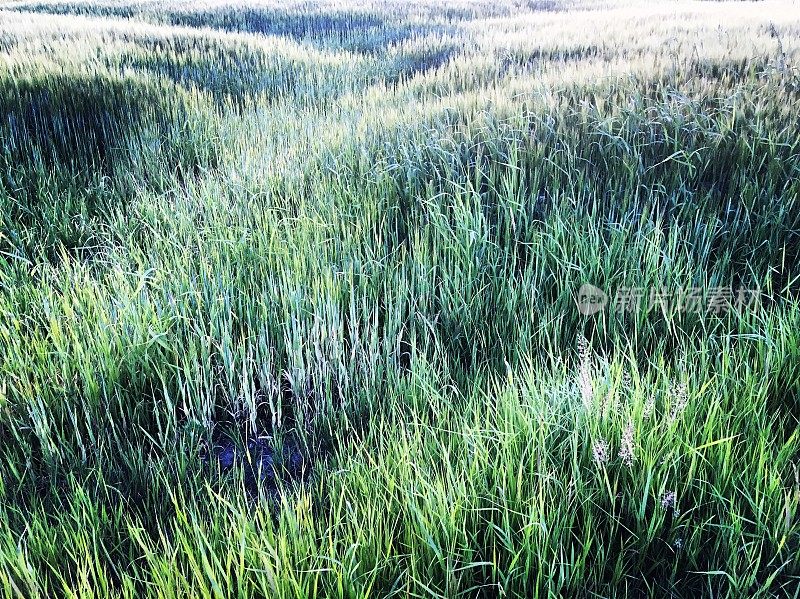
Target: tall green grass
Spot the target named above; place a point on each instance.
(362, 229)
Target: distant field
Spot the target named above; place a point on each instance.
(408, 299)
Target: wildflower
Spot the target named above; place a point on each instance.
(669, 501)
(600, 451)
(678, 543)
(584, 351)
(626, 450)
(680, 399)
(585, 383)
(649, 407)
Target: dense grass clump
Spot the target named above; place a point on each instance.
(75, 145)
(288, 299)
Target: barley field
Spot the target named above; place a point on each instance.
(399, 299)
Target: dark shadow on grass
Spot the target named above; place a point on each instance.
(261, 462)
(72, 144)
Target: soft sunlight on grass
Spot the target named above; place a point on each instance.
(354, 233)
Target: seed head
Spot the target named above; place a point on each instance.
(627, 446)
(680, 399)
(585, 378)
(600, 451)
(649, 407)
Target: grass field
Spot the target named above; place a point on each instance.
(290, 299)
